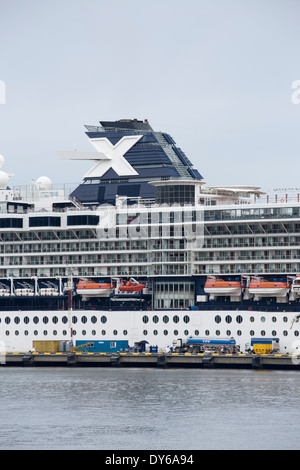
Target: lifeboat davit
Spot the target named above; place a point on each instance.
(217, 286)
(263, 288)
(131, 286)
(93, 289)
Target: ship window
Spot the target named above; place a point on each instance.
(35, 320)
(65, 332)
(186, 332)
(228, 319)
(155, 332)
(176, 319)
(7, 320)
(44, 222)
(125, 332)
(186, 319)
(217, 319)
(165, 319)
(176, 332)
(7, 333)
(145, 332)
(45, 320)
(274, 333)
(17, 320)
(285, 333)
(35, 332)
(103, 332)
(252, 319)
(239, 333)
(10, 223)
(239, 319)
(83, 220)
(54, 332)
(55, 320)
(74, 320)
(94, 319)
(296, 333)
(83, 332)
(196, 333)
(252, 333)
(263, 333)
(64, 320)
(207, 332)
(145, 319)
(103, 319)
(274, 319)
(285, 319)
(228, 332)
(263, 319)
(45, 332)
(115, 332)
(26, 332)
(74, 332)
(165, 332)
(218, 332)
(17, 332)
(155, 319)
(84, 319)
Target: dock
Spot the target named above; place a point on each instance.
(154, 360)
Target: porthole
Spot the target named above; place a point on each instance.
(55, 320)
(26, 320)
(165, 319)
(125, 332)
(196, 333)
(186, 319)
(103, 319)
(54, 332)
(263, 333)
(175, 332)
(285, 333)
(103, 332)
(262, 319)
(45, 332)
(145, 332)
(186, 332)
(74, 332)
(252, 319)
(65, 332)
(165, 332)
(7, 320)
(94, 332)
(35, 332)
(45, 320)
(7, 333)
(145, 319)
(155, 332)
(83, 332)
(252, 333)
(296, 333)
(274, 333)
(228, 332)
(94, 319)
(74, 320)
(17, 320)
(155, 319)
(115, 332)
(218, 332)
(26, 332)
(285, 319)
(83, 319)
(17, 332)
(274, 319)
(176, 319)
(36, 320)
(239, 319)
(206, 332)
(228, 319)
(64, 320)
(239, 333)
(217, 319)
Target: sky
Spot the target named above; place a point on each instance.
(216, 75)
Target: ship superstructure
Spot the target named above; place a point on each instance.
(153, 252)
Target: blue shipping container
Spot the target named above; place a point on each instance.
(103, 346)
(225, 342)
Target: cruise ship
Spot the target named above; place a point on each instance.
(144, 251)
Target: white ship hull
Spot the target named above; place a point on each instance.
(161, 328)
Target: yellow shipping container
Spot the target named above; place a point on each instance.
(46, 346)
(261, 348)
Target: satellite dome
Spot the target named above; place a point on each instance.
(4, 179)
(43, 183)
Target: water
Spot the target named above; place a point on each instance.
(148, 409)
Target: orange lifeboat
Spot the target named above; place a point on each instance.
(217, 286)
(131, 286)
(88, 288)
(264, 288)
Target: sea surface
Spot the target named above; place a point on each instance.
(148, 409)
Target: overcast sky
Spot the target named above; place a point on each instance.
(215, 74)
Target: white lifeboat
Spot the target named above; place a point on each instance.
(88, 288)
(263, 288)
(217, 286)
